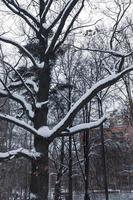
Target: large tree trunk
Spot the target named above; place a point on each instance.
(40, 171)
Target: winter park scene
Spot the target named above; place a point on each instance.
(66, 99)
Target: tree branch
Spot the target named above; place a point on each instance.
(19, 123)
(63, 19)
(22, 13)
(6, 40)
(70, 25)
(91, 93)
(19, 99)
(82, 127)
(30, 154)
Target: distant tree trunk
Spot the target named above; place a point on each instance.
(86, 160)
(103, 150)
(86, 154)
(70, 184)
(10, 128)
(40, 172)
(129, 96)
(70, 170)
(59, 174)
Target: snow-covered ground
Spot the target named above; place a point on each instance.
(112, 196)
(101, 196)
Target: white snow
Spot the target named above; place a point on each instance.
(44, 131)
(32, 196)
(4, 155)
(114, 53)
(19, 98)
(25, 103)
(15, 83)
(40, 104)
(45, 25)
(81, 127)
(33, 84)
(11, 154)
(31, 153)
(41, 65)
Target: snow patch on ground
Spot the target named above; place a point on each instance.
(32, 196)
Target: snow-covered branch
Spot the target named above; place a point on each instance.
(19, 123)
(82, 127)
(20, 47)
(20, 99)
(41, 104)
(100, 85)
(21, 81)
(30, 154)
(63, 125)
(32, 84)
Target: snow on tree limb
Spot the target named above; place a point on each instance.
(64, 123)
(33, 84)
(9, 41)
(100, 85)
(20, 82)
(43, 132)
(20, 99)
(18, 122)
(85, 126)
(30, 154)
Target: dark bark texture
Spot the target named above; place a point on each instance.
(40, 172)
